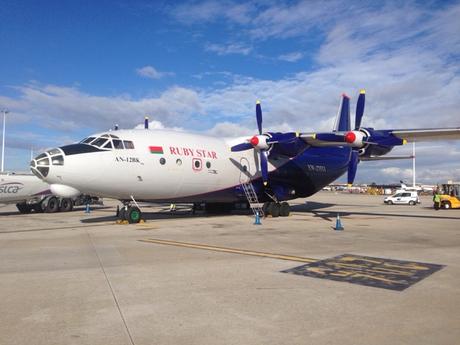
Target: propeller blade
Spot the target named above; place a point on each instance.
(352, 166)
(264, 166)
(360, 109)
(259, 116)
(282, 137)
(241, 147)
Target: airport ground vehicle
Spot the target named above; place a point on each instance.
(450, 196)
(31, 194)
(403, 197)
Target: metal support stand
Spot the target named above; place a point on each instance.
(253, 201)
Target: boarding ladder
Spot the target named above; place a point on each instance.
(253, 201)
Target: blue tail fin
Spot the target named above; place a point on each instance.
(342, 123)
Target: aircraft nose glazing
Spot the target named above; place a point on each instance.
(41, 164)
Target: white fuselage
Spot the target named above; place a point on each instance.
(21, 188)
(164, 165)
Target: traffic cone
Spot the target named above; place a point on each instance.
(338, 223)
(257, 220)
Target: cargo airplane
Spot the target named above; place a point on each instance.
(167, 166)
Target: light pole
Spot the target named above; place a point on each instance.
(413, 164)
(4, 111)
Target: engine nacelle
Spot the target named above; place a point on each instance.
(355, 138)
(259, 142)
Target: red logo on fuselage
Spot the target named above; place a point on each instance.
(185, 151)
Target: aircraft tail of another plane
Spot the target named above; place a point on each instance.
(342, 122)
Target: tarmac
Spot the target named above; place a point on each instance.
(178, 278)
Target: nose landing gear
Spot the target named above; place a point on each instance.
(129, 213)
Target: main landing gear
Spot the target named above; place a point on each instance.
(129, 213)
(276, 209)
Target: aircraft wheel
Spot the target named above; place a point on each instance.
(66, 205)
(133, 215)
(266, 208)
(52, 206)
(284, 209)
(275, 209)
(24, 208)
(38, 207)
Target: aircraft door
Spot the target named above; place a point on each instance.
(245, 170)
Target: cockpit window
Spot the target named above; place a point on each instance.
(54, 152)
(117, 144)
(128, 144)
(57, 160)
(99, 142)
(87, 140)
(108, 142)
(108, 145)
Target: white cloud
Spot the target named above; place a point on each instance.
(227, 49)
(151, 73)
(291, 57)
(228, 129)
(211, 11)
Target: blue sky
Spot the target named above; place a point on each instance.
(70, 68)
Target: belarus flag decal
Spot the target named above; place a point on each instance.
(156, 149)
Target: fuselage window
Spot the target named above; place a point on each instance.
(117, 144)
(128, 144)
(208, 165)
(99, 142)
(162, 161)
(179, 161)
(196, 164)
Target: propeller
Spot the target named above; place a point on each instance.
(263, 142)
(351, 137)
(352, 166)
(360, 109)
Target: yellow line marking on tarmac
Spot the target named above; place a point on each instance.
(89, 225)
(230, 250)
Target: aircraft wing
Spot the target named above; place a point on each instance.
(311, 139)
(404, 135)
(412, 135)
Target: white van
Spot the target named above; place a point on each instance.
(403, 197)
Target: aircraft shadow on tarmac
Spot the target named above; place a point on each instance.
(318, 209)
(329, 215)
(75, 209)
